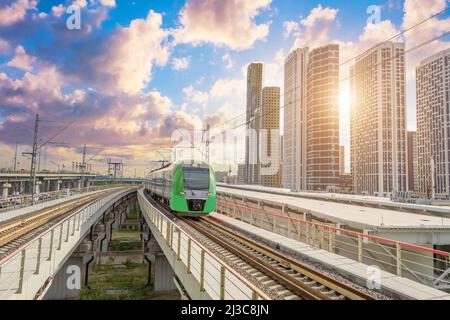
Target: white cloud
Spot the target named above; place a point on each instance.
(80, 3)
(58, 10)
(4, 46)
(313, 31)
(16, 11)
(21, 60)
(290, 27)
(223, 23)
(228, 88)
(134, 52)
(108, 3)
(181, 63)
(227, 59)
(195, 96)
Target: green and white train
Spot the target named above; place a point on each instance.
(189, 188)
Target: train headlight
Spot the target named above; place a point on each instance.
(210, 193)
(182, 193)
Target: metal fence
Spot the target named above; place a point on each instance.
(215, 277)
(22, 201)
(425, 265)
(24, 272)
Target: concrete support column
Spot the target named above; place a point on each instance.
(163, 274)
(38, 188)
(58, 185)
(68, 281)
(6, 186)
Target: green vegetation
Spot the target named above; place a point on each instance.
(124, 281)
(133, 214)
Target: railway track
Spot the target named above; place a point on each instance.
(286, 276)
(278, 275)
(18, 231)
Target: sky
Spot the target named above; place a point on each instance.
(138, 75)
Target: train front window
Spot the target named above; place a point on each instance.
(196, 178)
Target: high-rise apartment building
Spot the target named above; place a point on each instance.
(270, 166)
(433, 124)
(341, 160)
(322, 118)
(294, 137)
(412, 161)
(254, 92)
(378, 120)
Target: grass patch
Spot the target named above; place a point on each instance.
(125, 281)
(120, 245)
(133, 214)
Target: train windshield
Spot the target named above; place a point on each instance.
(196, 178)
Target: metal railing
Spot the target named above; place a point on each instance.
(425, 265)
(22, 201)
(215, 277)
(25, 271)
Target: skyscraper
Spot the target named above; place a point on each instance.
(294, 137)
(254, 91)
(341, 160)
(412, 161)
(433, 124)
(322, 118)
(378, 120)
(270, 168)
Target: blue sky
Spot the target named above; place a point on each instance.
(139, 69)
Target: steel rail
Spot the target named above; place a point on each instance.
(296, 286)
(18, 228)
(331, 283)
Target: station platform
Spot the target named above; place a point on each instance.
(383, 202)
(402, 225)
(391, 285)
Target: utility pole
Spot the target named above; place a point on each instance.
(39, 161)
(207, 143)
(15, 167)
(15, 159)
(33, 159)
(83, 166)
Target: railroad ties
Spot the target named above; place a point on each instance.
(279, 276)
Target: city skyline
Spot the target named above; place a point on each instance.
(210, 71)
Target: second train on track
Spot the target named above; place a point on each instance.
(188, 188)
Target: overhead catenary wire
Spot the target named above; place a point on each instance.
(409, 28)
(444, 34)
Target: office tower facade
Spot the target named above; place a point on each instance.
(241, 174)
(433, 124)
(322, 118)
(254, 92)
(412, 161)
(294, 137)
(341, 160)
(270, 166)
(378, 120)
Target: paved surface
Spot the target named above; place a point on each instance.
(352, 214)
(401, 287)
